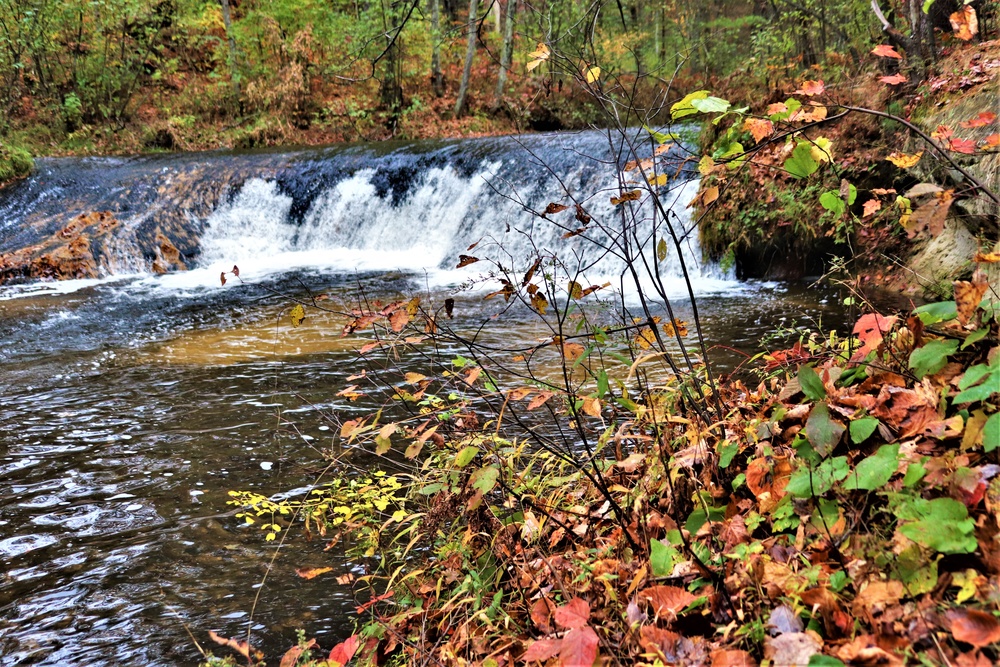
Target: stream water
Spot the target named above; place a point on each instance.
(131, 404)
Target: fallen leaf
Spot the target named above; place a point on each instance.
(573, 614)
(871, 206)
(793, 649)
(893, 80)
(667, 601)
(579, 647)
(312, 572)
(982, 120)
(973, 627)
(542, 650)
(732, 658)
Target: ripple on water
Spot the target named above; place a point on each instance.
(22, 544)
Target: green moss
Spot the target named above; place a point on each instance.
(15, 162)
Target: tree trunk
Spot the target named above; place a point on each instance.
(507, 52)
(437, 79)
(228, 21)
(470, 51)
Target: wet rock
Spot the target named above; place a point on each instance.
(943, 259)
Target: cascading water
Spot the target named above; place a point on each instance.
(413, 207)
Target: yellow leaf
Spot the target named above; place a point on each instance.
(904, 161)
(656, 180)
(575, 289)
(592, 74)
(661, 250)
(822, 150)
(297, 315)
(414, 378)
(705, 165)
(709, 195)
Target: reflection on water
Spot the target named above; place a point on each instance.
(126, 418)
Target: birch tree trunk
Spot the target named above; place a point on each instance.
(507, 52)
(227, 19)
(470, 51)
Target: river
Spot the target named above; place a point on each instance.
(131, 403)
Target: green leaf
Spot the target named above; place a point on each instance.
(932, 357)
(603, 387)
(942, 524)
(710, 105)
(914, 473)
(685, 107)
(662, 558)
(833, 202)
(991, 432)
(852, 194)
(875, 471)
(465, 456)
(801, 163)
(972, 386)
(431, 489)
(811, 385)
(820, 660)
(916, 571)
(926, 8)
(975, 337)
(838, 581)
(485, 478)
(727, 452)
(804, 483)
(932, 313)
(862, 429)
(823, 432)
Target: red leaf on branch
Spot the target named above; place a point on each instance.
(870, 329)
(342, 653)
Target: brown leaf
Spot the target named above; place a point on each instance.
(236, 269)
(876, 597)
(973, 627)
(222, 277)
(967, 298)
(582, 216)
(632, 195)
(555, 208)
(893, 80)
(342, 653)
(241, 647)
(398, 320)
(312, 572)
(965, 23)
(539, 302)
(292, 655)
(871, 206)
(449, 307)
(541, 614)
(579, 647)
(465, 260)
(667, 601)
(930, 217)
(592, 407)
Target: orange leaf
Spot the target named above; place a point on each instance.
(760, 128)
(871, 206)
(965, 23)
(987, 258)
(342, 653)
(776, 108)
(539, 401)
(904, 161)
(733, 658)
(973, 627)
(632, 195)
(992, 141)
(893, 80)
(667, 601)
(870, 329)
(967, 146)
(399, 319)
(886, 51)
(811, 88)
(573, 614)
(312, 572)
